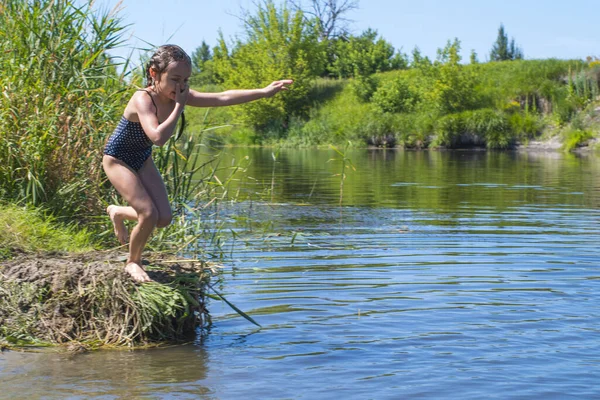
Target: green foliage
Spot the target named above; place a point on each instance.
(396, 96)
(453, 85)
(527, 94)
(201, 55)
(344, 118)
(419, 61)
(279, 45)
(364, 87)
(574, 138)
(27, 229)
(526, 125)
(473, 57)
(583, 86)
(364, 55)
(60, 96)
(474, 128)
(202, 66)
(503, 50)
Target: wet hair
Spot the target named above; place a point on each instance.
(160, 60)
(165, 55)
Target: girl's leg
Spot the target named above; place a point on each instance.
(155, 186)
(117, 214)
(130, 186)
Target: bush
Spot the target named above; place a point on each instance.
(576, 138)
(474, 128)
(363, 88)
(395, 96)
(525, 125)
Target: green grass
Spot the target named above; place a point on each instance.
(27, 229)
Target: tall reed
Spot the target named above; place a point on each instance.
(195, 191)
(346, 163)
(60, 95)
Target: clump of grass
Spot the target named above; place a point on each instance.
(195, 192)
(474, 128)
(88, 299)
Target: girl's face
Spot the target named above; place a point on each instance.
(177, 72)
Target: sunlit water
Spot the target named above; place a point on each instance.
(462, 275)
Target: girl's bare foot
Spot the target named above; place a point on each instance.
(119, 226)
(137, 273)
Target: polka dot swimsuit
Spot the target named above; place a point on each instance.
(129, 143)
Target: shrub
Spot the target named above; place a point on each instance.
(395, 96)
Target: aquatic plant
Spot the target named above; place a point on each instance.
(345, 163)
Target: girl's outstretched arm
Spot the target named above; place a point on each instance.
(232, 97)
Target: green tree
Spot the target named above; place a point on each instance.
(202, 66)
(278, 45)
(395, 96)
(201, 55)
(418, 60)
(454, 86)
(503, 50)
(365, 55)
(473, 57)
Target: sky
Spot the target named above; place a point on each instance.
(542, 28)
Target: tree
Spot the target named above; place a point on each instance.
(364, 55)
(329, 15)
(278, 44)
(201, 55)
(502, 50)
(454, 86)
(418, 60)
(202, 66)
(473, 57)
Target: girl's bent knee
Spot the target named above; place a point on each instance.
(149, 216)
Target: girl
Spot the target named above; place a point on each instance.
(149, 119)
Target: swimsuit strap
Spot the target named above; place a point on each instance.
(152, 98)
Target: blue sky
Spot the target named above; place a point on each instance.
(544, 29)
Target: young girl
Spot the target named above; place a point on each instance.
(149, 119)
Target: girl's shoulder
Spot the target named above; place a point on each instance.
(141, 101)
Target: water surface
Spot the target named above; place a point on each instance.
(461, 275)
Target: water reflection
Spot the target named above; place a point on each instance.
(110, 374)
(438, 181)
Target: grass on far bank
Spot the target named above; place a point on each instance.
(496, 105)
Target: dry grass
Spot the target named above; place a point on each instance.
(89, 299)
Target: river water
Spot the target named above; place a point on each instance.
(463, 275)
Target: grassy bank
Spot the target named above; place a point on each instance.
(27, 230)
(493, 105)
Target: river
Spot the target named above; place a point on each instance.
(463, 275)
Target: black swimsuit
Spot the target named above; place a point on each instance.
(129, 143)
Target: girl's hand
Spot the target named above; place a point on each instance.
(277, 87)
(181, 94)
